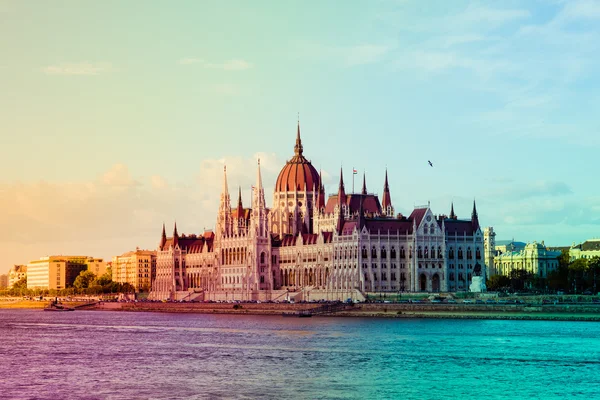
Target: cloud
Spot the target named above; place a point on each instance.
(363, 54)
(84, 68)
(345, 56)
(484, 15)
(230, 65)
(118, 175)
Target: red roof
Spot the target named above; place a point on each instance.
(459, 227)
(193, 244)
(418, 214)
(298, 174)
(370, 203)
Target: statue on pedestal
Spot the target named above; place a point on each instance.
(478, 281)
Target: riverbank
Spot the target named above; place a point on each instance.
(19, 303)
(571, 312)
(566, 312)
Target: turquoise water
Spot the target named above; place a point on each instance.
(117, 355)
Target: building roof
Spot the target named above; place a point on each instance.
(298, 174)
(459, 227)
(370, 203)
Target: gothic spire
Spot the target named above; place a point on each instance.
(175, 236)
(452, 215)
(320, 193)
(163, 238)
(298, 147)
(364, 188)
(240, 207)
(474, 217)
(341, 190)
(386, 201)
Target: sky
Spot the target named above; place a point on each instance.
(118, 116)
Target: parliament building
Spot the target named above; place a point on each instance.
(310, 246)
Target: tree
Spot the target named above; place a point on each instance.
(84, 279)
(520, 279)
(577, 272)
(20, 284)
(594, 270)
(498, 282)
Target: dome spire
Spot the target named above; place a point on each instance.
(298, 147)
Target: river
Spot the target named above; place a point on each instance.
(127, 355)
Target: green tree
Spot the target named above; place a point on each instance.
(577, 274)
(520, 279)
(498, 282)
(559, 278)
(594, 271)
(20, 284)
(84, 279)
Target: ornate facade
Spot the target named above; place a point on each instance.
(309, 246)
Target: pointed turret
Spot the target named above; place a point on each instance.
(163, 238)
(320, 193)
(474, 217)
(364, 188)
(386, 201)
(175, 236)
(452, 215)
(341, 190)
(259, 208)
(298, 147)
(240, 207)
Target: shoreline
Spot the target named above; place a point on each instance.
(579, 312)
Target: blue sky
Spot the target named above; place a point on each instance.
(117, 116)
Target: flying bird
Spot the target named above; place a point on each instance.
(430, 164)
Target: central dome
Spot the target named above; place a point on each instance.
(298, 174)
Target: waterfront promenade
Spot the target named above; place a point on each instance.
(581, 311)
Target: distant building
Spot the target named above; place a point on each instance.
(137, 268)
(59, 272)
(97, 265)
(588, 249)
(504, 246)
(16, 273)
(489, 251)
(3, 281)
(535, 258)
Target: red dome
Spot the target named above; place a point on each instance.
(298, 173)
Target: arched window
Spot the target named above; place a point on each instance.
(460, 253)
(364, 252)
(469, 254)
(420, 252)
(402, 252)
(451, 276)
(262, 258)
(383, 253)
(426, 255)
(425, 229)
(451, 253)
(373, 252)
(440, 255)
(478, 253)
(393, 253)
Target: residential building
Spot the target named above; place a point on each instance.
(16, 273)
(588, 249)
(137, 268)
(60, 272)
